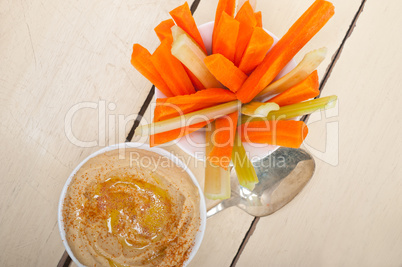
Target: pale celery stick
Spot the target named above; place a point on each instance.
(217, 179)
(244, 168)
(192, 56)
(188, 119)
(258, 109)
(295, 110)
(309, 63)
(176, 32)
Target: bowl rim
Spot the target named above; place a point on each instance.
(203, 211)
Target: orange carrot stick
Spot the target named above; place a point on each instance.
(210, 95)
(247, 23)
(171, 70)
(227, 6)
(306, 89)
(297, 36)
(225, 71)
(281, 133)
(258, 46)
(162, 138)
(141, 60)
(226, 36)
(246, 15)
(223, 140)
(185, 20)
(258, 17)
(245, 32)
(171, 107)
(167, 111)
(163, 30)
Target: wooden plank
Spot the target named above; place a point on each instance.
(349, 214)
(278, 16)
(225, 230)
(54, 55)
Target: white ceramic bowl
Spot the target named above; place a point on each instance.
(203, 210)
(193, 144)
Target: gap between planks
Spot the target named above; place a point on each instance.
(328, 72)
(338, 52)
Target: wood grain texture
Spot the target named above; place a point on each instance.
(278, 16)
(54, 55)
(349, 214)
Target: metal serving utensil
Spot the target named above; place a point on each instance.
(282, 175)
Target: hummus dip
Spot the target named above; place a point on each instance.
(125, 212)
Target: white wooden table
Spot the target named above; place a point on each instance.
(59, 55)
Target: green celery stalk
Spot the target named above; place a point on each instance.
(295, 110)
(188, 119)
(244, 168)
(258, 109)
(217, 179)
